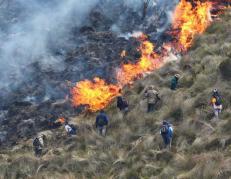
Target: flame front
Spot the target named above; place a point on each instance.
(94, 94)
(190, 21)
(148, 61)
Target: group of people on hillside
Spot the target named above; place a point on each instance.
(102, 120)
(152, 96)
(38, 142)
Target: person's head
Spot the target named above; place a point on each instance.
(177, 76)
(165, 122)
(101, 111)
(151, 87)
(215, 91)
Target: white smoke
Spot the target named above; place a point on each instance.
(135, 4)
(31, 27)
(31, 30)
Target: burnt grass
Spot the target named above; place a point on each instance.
(133, 147)
(43, 92)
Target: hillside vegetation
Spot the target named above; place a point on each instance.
(133, 147)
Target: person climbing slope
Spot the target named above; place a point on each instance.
(122, 104)
(166, 132)
(152, 98)
(216, 102)
(101, 123)
(174, 82)
(38, 144)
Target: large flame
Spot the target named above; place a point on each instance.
(148, 61)
(190, 21)
(95, 94)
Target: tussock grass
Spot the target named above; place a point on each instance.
(133, 147)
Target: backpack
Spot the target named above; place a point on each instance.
(218, 100)
(101, 121)
(73, 127)
(164, 129)
(125, 103)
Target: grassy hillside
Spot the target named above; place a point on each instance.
(133, 147)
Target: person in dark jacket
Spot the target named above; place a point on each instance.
(174, 82)
(166, 132)
(101, 123)
(122, 104)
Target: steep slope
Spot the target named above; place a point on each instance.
(133, 147)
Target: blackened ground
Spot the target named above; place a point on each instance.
(26, 107)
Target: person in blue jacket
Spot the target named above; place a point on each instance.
(166, 132)
(101, 123)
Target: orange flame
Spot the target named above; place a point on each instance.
(148, 61)
(190, 21)
(61, 120)
(96, 95)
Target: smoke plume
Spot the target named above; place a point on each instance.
(35, 30)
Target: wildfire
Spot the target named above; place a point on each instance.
(148, 61)
(94, 94)
(190, 21)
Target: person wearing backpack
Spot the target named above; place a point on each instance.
(174, 82)
(216, 102)
(101, 123)
(38, 144)
(152, 98)
(166, 132)
(122, 104)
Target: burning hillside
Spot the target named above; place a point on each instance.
(82, 41)
(39, 84)
(133, 146)
(190, 18)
